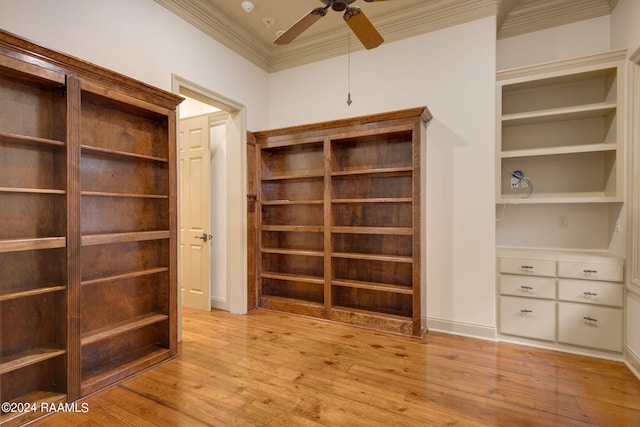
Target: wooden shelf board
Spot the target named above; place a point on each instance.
(23, 293)
(29, 357)
(292, 252)
(291, 202)
(290, 143)
(373, 257)
(128, 275)
(14, 245)
(375, 171)
(120, 328)
(124, 195)
(124, 154)
(542, 198)
(31, 190)
(374, 320)
(299, 228)
(374, 200)
(572, 149)
(405, 231)
(293, 277)
(292, 305)
(24, 139)
(300, 176)
(382, 287)
(557, 114)
(138, 361)
(139, 236)
(38, 398)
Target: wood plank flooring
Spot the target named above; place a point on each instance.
(274, 369)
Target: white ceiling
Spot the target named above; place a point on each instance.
(249, 36)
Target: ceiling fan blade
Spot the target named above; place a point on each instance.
(299, 27)
(362, 27)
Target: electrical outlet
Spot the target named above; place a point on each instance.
(515, 182)
(563, 222)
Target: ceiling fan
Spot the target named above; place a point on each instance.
(353, 16)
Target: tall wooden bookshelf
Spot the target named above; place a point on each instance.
(88, 227)
(340, 221)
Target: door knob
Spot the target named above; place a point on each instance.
(205, 237)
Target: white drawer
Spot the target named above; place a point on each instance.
(525, 286)
(527, 266)
(528, 317)
(590, 271)
(590, 326)
(591, 292)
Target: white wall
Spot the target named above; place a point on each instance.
(625, 31)
(563, 42)
(140, 39)
(452, 72)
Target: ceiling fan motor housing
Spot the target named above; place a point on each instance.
(338, 5)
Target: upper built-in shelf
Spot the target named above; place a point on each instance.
(569, 149)
(558, 114)
(560, 124)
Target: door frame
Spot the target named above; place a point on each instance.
(236, 191)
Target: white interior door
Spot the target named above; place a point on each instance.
(195, 216)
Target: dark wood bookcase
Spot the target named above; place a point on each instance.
(88, 251)
(340, 221)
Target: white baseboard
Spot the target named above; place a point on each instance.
(461, 328)
(219, 304)
(632, 360)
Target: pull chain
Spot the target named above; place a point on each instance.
(349, 68)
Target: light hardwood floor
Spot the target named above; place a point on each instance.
(268, 368)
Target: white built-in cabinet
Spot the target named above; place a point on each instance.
(560, 148)
(564, 298)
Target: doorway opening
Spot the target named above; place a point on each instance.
(230, 205)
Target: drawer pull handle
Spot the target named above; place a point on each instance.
(590, 294)
(525, 311)
(526, 267)
(590, 271)
(590, 319)
(526, 288)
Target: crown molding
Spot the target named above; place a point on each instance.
(563, 65)
(409, 19)
(218, 25)
(541, 15)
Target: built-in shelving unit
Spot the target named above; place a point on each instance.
(561, 156)
(561, 126)
(125, 287)
(88, 238)
(340, 220)
(33, 282)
